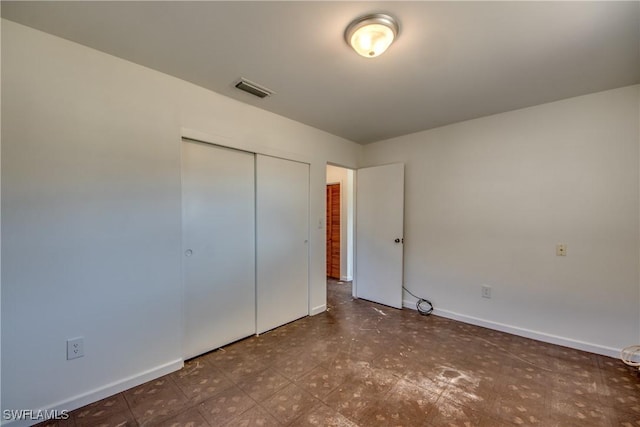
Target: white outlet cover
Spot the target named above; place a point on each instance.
(75, 348)
(486, 291)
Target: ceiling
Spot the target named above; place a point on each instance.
(452, 61)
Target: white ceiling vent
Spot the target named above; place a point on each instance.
(253, 88)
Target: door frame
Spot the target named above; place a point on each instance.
(347, 221)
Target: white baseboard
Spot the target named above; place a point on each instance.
(317, 310)
(346, 278)
(527, 333)
(108, 390)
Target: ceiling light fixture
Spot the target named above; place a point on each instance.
(371, 35)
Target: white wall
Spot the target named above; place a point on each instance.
(487, 200)
(91, 212)
(344, 177)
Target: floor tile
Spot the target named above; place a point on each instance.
(264, 384)
(323, 416)
(156, 400)
(353, 396)
(297, 365)
(188, 418)
(404, 405)
(289, 403)
(448, 413)
(321, 381)
(574, 410)
(516, 407)
(199, 381)
(226, 405)
(571, 384)
(112, 411)
(246, 366)
(254, 417)
(625, 419)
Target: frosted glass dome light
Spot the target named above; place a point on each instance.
(371, 35)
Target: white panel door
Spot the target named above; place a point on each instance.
(379, 234)
(218, 188)
(282, 224)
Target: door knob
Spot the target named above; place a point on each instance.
(397, 240)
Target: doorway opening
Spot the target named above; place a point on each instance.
(334, 243)
(339, 223)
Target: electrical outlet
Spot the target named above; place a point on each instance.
(486, 291)
(561, 249)
(75, 348)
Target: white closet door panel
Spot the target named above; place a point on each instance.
(282, 215)
(219, 246)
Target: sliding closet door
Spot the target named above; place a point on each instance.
(282, 216)
(218, 187)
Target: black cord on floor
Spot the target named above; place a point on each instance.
(423, 311)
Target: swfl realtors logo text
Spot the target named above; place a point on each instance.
(31, 415)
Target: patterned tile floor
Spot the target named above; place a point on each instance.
(362, 364)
